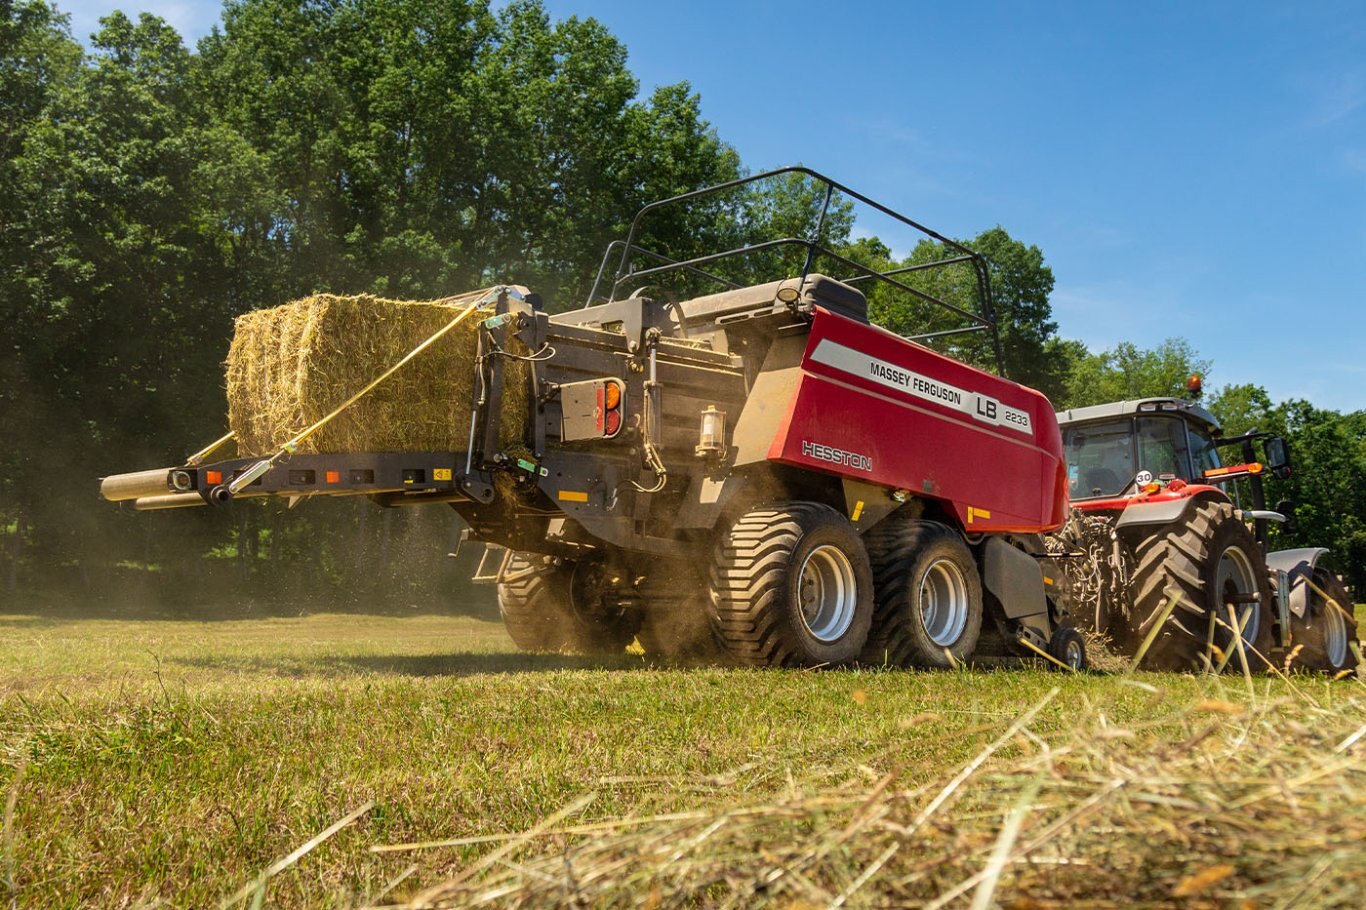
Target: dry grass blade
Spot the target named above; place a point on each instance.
(866, 875)
(1239, 626)
(996, 864)
(1159, 621)
(7, 831)
(972, 766)
(1238, 813)
(284, 862)
(1351, 740)
(432, 895)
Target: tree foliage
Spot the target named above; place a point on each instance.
(150, 192)
(1327, 482)
(415, 146)
(408, 147)
(1128, 371)
(1020, 284)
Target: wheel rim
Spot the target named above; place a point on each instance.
(1236, 576)
(592, 596)
(1334, 635)
(944, 603)
(827, 593)
(1073, 654)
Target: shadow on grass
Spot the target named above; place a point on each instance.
(415, 665)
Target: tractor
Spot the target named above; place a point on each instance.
(1170, 554)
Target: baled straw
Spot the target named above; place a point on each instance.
(289, 366)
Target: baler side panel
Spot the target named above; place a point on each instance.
(849, 422)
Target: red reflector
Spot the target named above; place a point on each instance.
(213, 478)
(334, 476)
(613, 423)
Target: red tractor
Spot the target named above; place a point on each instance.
(1165, 553)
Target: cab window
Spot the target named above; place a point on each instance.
(1205, 455)
(1100, 458)
(1162, 448)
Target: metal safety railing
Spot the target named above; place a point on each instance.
(630, 250)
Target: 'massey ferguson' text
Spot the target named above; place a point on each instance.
(924, 387)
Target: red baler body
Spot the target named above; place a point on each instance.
(874, 407)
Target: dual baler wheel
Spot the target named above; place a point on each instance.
(929, 595)
(791, 585)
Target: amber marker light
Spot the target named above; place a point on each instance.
(611, 408)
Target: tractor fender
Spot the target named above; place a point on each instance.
(1155, 513)
(1295, 563)
(1288, 560)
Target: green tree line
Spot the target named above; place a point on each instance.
(150, 192)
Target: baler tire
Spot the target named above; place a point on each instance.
(905, 553)
(536, 602)
(1183, 558)
(675, 624)
(763, 566)
(1325, 634)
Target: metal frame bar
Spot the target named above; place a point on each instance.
(986, 319)
(607, 255)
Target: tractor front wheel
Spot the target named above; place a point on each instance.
(791, 586)
(1328, 629)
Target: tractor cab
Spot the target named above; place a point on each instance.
(1118, 448)
(1124, 448)
(1145, 451)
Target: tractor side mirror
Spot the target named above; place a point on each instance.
(1277, 456)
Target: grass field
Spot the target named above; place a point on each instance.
(172, 763)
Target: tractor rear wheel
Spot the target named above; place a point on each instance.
(791, 586)
(1211, 563)
(929, 596)
(572, 606)
(1328, 629)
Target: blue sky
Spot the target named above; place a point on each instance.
(1191, 169)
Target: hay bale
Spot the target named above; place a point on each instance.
(290, 365)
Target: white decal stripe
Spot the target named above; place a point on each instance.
(974, 404)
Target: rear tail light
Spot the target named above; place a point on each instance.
(611, 408)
